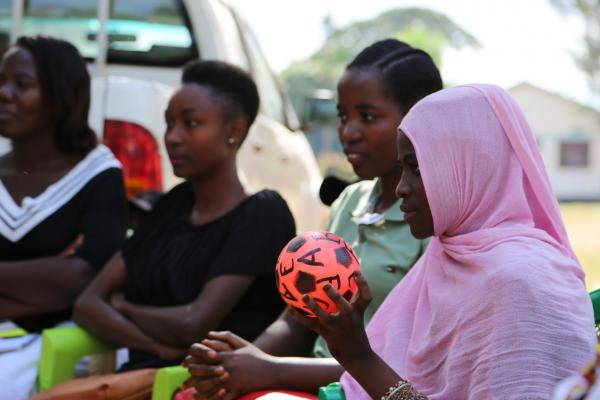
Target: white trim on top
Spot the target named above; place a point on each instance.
(16, 220)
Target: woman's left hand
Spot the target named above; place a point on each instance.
(344, 331)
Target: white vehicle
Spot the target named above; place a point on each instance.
(136, 49)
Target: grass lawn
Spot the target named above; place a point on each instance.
(582, 221)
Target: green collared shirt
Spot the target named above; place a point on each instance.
(383, 242)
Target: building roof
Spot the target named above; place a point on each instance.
(527, 85)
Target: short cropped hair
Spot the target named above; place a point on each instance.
(65, 86)
(227, 82)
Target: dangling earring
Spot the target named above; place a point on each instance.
(231, 140)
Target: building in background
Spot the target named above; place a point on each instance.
(568, 136)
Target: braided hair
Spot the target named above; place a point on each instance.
(408, 74)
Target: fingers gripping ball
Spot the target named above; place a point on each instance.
(310, 261)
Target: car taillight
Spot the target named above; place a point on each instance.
(137, 150)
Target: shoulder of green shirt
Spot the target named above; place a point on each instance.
(347, 201)
(353, 193)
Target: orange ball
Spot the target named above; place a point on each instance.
(310, 261)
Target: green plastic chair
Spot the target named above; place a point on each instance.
(334, 391)
(14, 332)
(167, 381)
(595, 295)
(62, 348)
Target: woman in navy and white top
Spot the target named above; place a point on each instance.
(62, 199)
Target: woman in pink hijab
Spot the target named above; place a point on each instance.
(497, 306)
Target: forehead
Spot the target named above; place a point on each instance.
(191, 95)
(404, 144)
(19, 59)
(362, 84)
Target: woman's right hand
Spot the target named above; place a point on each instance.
(226, 366)
(343, 331)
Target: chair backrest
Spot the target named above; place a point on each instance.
(595, 295)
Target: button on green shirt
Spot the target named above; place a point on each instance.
(383, 242)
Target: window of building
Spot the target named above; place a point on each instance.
(574, 154)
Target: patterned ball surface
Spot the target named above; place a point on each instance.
(310, 261)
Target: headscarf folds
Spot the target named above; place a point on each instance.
(497, 306)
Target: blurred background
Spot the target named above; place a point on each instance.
(546, 52)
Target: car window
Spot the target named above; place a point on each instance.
(230, 35)
(5, 7)
(270, 94)
(5, 24)
(146, 32)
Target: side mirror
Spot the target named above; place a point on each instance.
(319, 122)
(319, 110)
(320, 125)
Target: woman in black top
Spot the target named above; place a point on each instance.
(62, 200)
(204, 258)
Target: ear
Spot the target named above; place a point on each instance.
(237, 131)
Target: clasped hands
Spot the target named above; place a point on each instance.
(225, 366)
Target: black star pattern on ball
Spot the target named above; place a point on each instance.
(343, 257)
(295, 244)
(348, 295)
(305, 282)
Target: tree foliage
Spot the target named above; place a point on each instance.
(589, 59)
(420, 27)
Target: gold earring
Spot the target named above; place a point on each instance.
(231, 140)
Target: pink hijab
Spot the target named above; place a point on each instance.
(497, 306)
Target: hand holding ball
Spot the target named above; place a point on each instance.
(310, 261)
